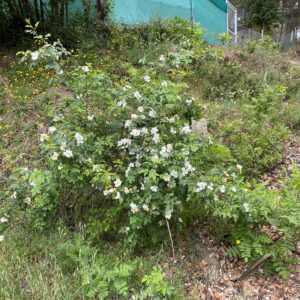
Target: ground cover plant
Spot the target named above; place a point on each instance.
(104, 166)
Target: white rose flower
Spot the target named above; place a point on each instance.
(134, 208)
(90, 118)
(147, 78)
(162, 58)
(79, 138)
(144, 130)
(68, 153)
(134, 116)
(140, 109)
(3, 220)
(154, 188)
(246, 206)
(166, 150)
(145, 207)
(52, 129)
(174, 174)
(168, 214)
(152, 113)
(135, 132)
(1, 238)
(154, 158)
(156, 138)
(85, 69)
(54, 156)
(154, 130)
(173, 131)
(122, 103)
(167, 178)
(210, 187)
(128, 123)
(201, 186)
(63, 146)
(137, 95)
(14, 195)
(186, 129)
(124, 143)
(107, 192)
(222, 189)
(117, 182)
(27, 201)
(35, 55)
(233, 189)
(188, 168)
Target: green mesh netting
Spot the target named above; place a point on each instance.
(211, 14)
(220, 4)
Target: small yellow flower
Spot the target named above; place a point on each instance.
(237, 242)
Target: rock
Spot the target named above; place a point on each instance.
(210, 266)
(200, 127)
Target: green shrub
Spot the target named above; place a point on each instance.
(216, 78)
(256, 142)
(108, 276)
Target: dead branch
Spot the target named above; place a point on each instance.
(256, 265)
(171, 239)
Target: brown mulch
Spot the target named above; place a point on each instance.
(209, 275)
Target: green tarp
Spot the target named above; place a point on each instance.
(220, 4)
(211, 14)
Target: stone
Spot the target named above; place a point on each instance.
(200, 127)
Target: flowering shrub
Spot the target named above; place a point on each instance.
(137, 149)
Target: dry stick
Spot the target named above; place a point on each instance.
(257, 264)
(2, 79)
(171, 239)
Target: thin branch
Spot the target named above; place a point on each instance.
(171, 239)
(2, 79)
(256, 265)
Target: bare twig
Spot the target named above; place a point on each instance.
(3, 81)
(171, 239)
(257, 264)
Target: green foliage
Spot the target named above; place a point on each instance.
(105, 276)
(266, 43)
(256, 142)
(216, 75)
(156, 285)
(264, 14)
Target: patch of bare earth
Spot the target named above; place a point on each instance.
(210, 275)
